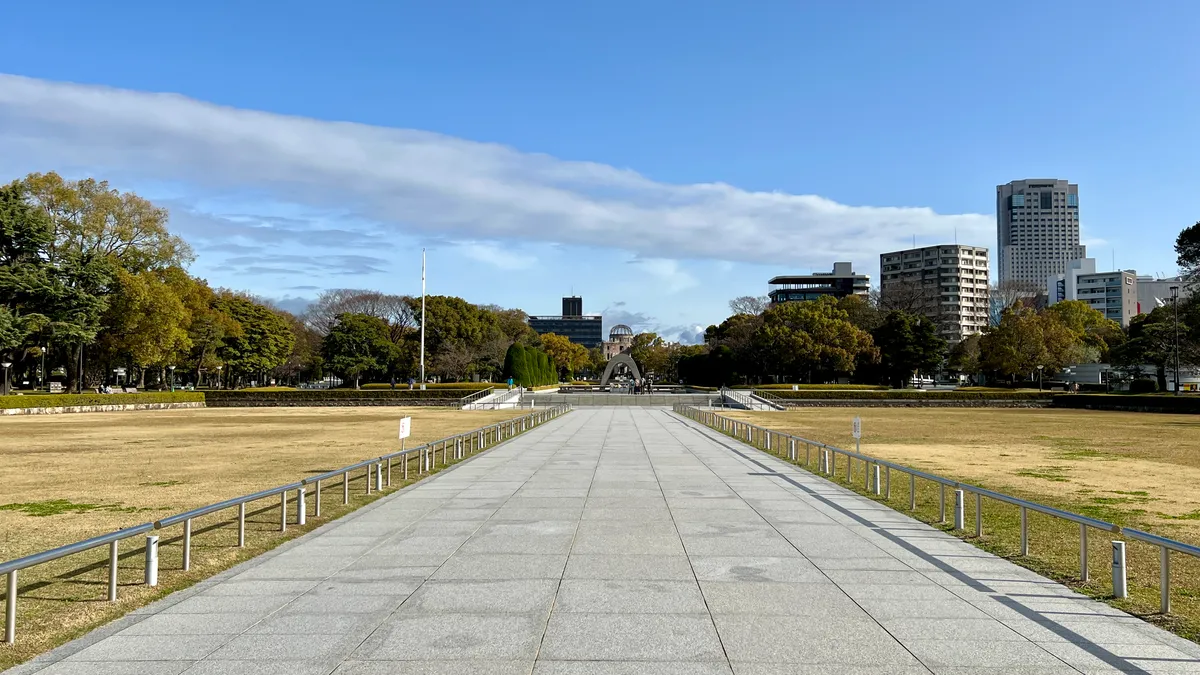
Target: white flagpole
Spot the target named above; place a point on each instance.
(422, 318)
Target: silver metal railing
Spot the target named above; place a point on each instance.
(782, 444)
(471, 398)
(453, 447)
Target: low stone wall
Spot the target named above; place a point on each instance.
(97, 408)
(915, 403)
(337, 403)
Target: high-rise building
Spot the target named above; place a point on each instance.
(1037, 226)
(580, 328)
(947, 283)
(1113, 294)
(839, 283)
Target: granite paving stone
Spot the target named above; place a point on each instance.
(624, 541)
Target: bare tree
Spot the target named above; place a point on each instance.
(453, 361)
(394, 309)
(1007, 294)
(749, 304)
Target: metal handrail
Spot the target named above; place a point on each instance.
(748, 432)
(463, 443)
(471, 398)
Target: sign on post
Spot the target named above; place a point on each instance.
(405, 427)
(856, 427)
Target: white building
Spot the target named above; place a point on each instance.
(1153, 292)
(948, 283)
(1113, 294)
(1037, 229)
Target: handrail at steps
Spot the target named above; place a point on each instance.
(478, 439)
(471, 398)
(750, 431)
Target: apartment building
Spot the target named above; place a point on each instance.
(1113, 294)
(948, 283)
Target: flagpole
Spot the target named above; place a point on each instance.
(422, 318)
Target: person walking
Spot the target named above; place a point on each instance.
(393, 383)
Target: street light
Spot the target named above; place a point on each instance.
(42, 383)
(219, 376)
(1175, 306)
(1040, 377)
(172, 369)
(7, 365)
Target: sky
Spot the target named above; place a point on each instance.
(656, 158)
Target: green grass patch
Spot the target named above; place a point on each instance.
(1057, 474)
(162, 483)
(52, 507)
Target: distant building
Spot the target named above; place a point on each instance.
(948, 283)
(620, 340)
(1037, 229)
(839, 283)
(573, 324)
(1153, 292)
(1113, 294)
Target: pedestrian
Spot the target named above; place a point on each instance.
(410, 383)
(393, 383)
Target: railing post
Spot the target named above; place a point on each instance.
(959, 499)
(1084, 574)
(241, 525)
(1164, 580)
(10, 610)
(345, 487)
(379, 477)
(301, 507)
(283, 511)
(317, 500)
(389, 472)
(887, 482)
(912, 492)
(942, 503)
(187, 544)
(978, 515)
(113, 559)
(368, 475)
(152, 560)
(878, 491)
(1120, 586)
(792, 449)
(1024, 531)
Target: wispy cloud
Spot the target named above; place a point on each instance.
(668, 273)
(428, 184)
(500, 256)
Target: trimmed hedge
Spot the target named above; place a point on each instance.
(473, 386)
(908, 394)
(1189, 405)
(216, 398)
(529, 367)
(65, 400)
(821, 387)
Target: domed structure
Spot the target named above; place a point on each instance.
(618, 331)
(620, 339)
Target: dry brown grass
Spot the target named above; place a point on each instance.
(1134, 469)
(94, 473)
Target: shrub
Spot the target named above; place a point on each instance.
(1131, 403)
(342, 395)
(529, 367)
(802, 387)
(473, 386)
(64, 400)
(906, 394)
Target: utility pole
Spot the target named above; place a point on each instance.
(422, 318)
(1175, 306)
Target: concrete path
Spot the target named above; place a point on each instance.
(623, 541)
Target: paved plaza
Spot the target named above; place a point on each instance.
(622, 541)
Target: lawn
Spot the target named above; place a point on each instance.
(64, 478)
(1135, 469)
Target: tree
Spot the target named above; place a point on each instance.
(965, 357)
(651, 354)
(1007, 294)
(396, 310)
(356, 345)
(528, 366)
(1187, 250)
(1152, 341)
(861, 312)
(908, 343)
(801, 339)
(453, 362)
(749, 304)
(146, 322)
(568, 357)
(265, 340)
(1091, 328)
(1025, 339)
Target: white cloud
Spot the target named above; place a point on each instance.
(434, 185)
(500, 256)
(669, 275)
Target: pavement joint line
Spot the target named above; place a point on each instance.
(675, 525)
(1122, 664)
(574, 536)
(774, 527)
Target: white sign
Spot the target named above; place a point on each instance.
(856, 427)
(405, 427)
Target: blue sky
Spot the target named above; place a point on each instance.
(657, 158)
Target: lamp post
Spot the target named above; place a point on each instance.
(42, 377)
(6, 365)
(1175, 306)
(219, 376)
(172, 371)
(1040, 377)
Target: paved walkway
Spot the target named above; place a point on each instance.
(623, 541)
